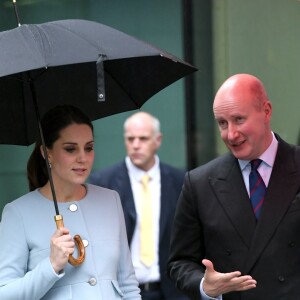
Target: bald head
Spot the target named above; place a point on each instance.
(142, 139)
(143, 118)
(243, 113)
(240, 85)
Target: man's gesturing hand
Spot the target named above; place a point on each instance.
(216, 283)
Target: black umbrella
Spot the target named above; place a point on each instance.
(97, 68)
(92, 66)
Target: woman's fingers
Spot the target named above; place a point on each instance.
(62, 245)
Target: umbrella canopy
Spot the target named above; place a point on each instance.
(92, 66)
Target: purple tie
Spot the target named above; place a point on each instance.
(257, 187)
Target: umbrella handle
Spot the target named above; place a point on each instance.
(78, 241)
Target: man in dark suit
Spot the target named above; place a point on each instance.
(142, 140)
(220, 246)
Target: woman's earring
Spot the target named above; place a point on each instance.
(50, 166)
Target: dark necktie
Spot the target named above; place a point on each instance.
(257, 188)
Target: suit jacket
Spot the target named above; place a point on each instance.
(25, 269)
(117, 178)
(214, 220)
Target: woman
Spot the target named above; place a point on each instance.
(33, 266)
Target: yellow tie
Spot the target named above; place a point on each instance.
(146, 235)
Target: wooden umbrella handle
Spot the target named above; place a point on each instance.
(78, 241)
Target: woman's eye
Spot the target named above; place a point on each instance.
(70, 150)
(89, 148)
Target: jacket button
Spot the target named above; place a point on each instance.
(92, 281)
(281, 278)
(73, 207)
(291, 244)
(85, 243)
(228, 252)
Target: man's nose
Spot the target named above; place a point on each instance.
(232, 132)
(136, 143)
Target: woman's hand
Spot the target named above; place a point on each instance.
(61, 246)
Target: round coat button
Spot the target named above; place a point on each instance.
(281, 278)
(85, 243)
(291, 244)
(92, 281)
(73, 207)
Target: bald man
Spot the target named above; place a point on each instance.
(143, 138)
(222, 245)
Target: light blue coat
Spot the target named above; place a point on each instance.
(25, 230)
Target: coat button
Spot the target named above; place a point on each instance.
(281, 278)
(85, 243)
(73, 207)
(228, 252)
(92, 281)
(291, 244)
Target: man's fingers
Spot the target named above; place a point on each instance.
(208, 264)
(227, 276)
(216, 283)
(244, 282)
(236, 275)
(239, 283)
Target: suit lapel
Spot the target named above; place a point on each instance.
(166, 188)
(126, 195)
(232, 194)
(282, 188)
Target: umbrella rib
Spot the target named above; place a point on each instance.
(123, 89)
(77, 35)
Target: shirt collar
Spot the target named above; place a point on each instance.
(138, 173)
(268, 157)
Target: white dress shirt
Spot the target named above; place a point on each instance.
(143, 273)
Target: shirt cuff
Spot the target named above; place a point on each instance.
(204, 296)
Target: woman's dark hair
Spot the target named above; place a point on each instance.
(52, 123)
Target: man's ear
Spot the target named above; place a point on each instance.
(159, 140)
(268, 109)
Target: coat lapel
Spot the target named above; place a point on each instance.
(166, 189)
(283, 186)
(126, 195)
(232, 194)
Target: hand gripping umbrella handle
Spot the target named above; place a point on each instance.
(78, 241)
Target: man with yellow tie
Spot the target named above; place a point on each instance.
(149, 190)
